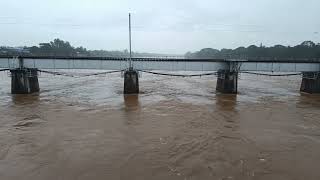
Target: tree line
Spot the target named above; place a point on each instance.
(57, 47)
(306, 49)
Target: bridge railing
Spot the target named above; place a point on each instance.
(109, 63)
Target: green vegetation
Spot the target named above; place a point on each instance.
(57, 47)
(307, 49)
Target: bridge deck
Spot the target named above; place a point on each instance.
(110, 63)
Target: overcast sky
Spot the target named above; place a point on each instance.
(163, 26)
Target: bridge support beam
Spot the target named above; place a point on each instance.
(227, 82)
(24, 81)
(310, 82)
(131, 82)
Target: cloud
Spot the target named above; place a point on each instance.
(169, 26)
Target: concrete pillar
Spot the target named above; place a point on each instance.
(131, 82)
(227, 82)
(24, 81)
(310, 82)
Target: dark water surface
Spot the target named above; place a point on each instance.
(177, 128)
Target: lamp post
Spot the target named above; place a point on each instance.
(130, 52)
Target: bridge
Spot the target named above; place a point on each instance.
(24, 69)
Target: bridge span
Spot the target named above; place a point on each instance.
(168, 64)
(24, 69)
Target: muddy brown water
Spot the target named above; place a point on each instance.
(177, 128)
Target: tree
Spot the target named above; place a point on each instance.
(309, 44)
(306, 49)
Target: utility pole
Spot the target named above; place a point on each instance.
(131, 76)
(130, 55)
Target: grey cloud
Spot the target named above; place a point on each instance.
(188, 25)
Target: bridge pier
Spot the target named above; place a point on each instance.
(310, 82)
(227, 82)
(24, 80)
(131, 82)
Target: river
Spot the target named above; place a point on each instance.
(177, 128)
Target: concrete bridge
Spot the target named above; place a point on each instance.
(25, 77)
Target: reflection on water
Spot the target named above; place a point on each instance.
(131, 102)
(226, 102)
(132, 109)
(308, 100)
(23, 99)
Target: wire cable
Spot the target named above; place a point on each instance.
(107, 72)
(56, 73)
(159, 73)
(78, 76)
(266, 74)
(179, 75)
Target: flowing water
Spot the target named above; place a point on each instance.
(177, 128)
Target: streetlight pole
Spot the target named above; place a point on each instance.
(131, 77)
(130, 55)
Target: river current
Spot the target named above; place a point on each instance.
(176, 128)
